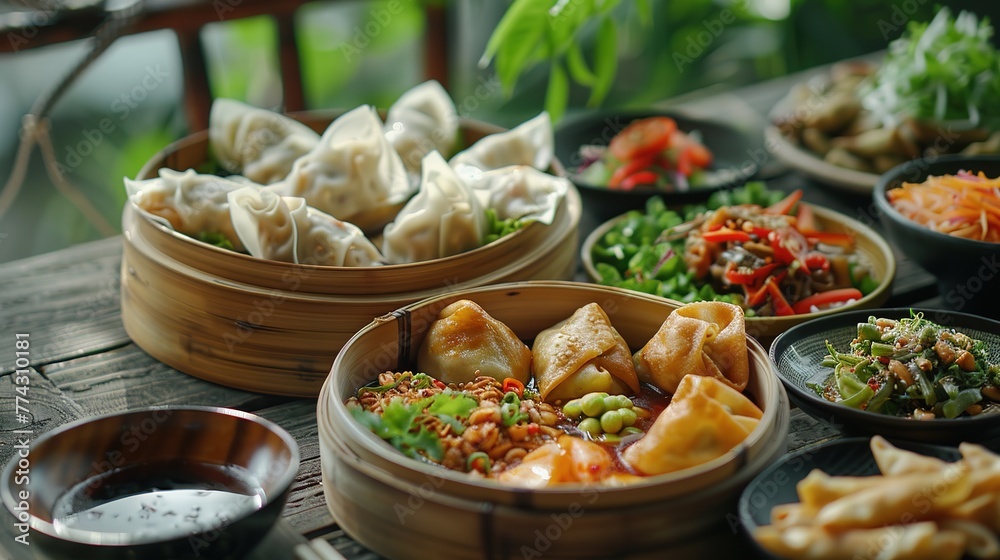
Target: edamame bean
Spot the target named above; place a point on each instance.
(591, 426)
(611, 422)
(624, 402)
(612, 403)
(593, 405)
(573, 409)
(628, 416)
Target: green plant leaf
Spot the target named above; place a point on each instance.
(605, 61)
(557, 95)
(566, 18)
(577, 65)
(608, 5)
(645, 9)
(526, 43)
(520, 15)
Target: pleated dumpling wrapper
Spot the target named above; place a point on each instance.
(704, 420)
(580, 355)
(465, 339)
(704, 338)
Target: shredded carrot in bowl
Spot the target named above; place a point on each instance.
(963, 205)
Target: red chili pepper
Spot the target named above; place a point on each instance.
(724, 235)
(778, 301)
(511, 384)
(785, 205)
(533, 429)
(826, 298)
(845, 240)
(805, 218)
(789, 245)
(439, 384)
(744, 275)
(873, 383)
(757, 296)
(817, 261)
(637, 179)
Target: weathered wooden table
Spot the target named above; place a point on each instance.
(83, 364)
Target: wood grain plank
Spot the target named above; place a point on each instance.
(127, 378)
(47, 407)
(68, 301)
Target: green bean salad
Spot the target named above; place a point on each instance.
(911, 368)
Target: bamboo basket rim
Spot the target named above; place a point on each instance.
(826, 216)
(151, 168)
(129, 215)
(334, 405)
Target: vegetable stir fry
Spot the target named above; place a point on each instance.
(911, 367)
(648, 152)
(757, 250)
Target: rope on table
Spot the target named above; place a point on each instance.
(35, 125)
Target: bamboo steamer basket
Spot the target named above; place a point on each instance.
(404, 509)
(275, 327)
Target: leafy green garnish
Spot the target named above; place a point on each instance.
(497, 228)
(215, 238)
(403, 426)
(946, 70)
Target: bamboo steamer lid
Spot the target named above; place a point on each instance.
(374, 491)
(275, 327)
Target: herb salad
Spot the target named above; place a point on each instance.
(913, 368)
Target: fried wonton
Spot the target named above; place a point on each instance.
(705, 419)
(571, 459)
(583, 354)
(702, 338)
(911, 542)
(465, 339)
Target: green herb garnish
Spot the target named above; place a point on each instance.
(404, 427)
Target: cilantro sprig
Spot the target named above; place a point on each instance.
(404, 425)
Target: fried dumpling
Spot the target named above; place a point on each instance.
(530, 143)
(286, 229)
(567, 460)
(916, 541)
(189, 202)
(353, 174)
(422, 120)
(259, 144)
(705, 419)
(444, 218)
(893, 461)
(465, 341)
(702, 338)
(582, 354)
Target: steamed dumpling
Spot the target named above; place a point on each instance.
(530, 143)
(444, 218)
(521, 192)
(286, 229)
(353, 174)
(704, 420)
(261, 145)
(465, 341)
(703, 338)
(422, 120)
(582, 354)
(191, 203)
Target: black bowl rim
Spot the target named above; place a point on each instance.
(919, 168)
(283, 484)
(839, 320)
(747, 170)
(743, 506)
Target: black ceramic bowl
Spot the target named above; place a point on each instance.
(731, 166)
(799, 351)
(968, 271)
(775, 485)
(162, 482)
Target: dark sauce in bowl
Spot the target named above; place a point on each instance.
(154, 502)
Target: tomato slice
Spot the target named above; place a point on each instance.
(693, 152)
(639, 179)
(630, 168)
(643, 137)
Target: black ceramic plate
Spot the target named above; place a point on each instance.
(799, 351)
(775, 485)
(732, 165)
